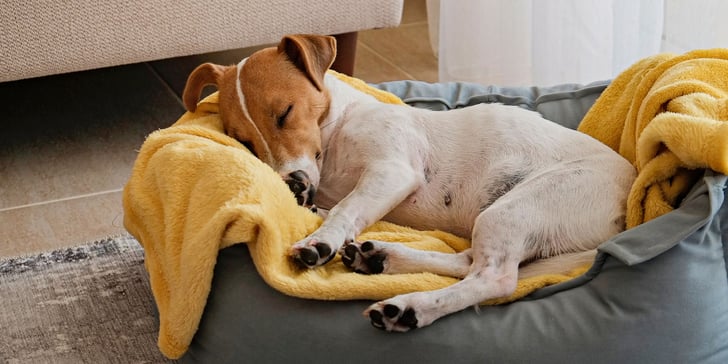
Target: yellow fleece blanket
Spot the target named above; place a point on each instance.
(668, 115)
(193, 191)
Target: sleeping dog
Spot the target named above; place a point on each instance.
(523, 189)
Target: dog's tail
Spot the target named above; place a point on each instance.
(559, 264)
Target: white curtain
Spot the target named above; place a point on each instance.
(548, 42)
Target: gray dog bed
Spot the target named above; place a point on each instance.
(657, 293)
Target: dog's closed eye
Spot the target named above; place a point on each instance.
(282, 117)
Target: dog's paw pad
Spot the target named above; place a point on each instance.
(323, 250)
(392, 318)
(377, 320)
(313, 255)
(364, 257)
(307, 256)
(390, 311)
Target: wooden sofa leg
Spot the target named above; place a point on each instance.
(345, 53)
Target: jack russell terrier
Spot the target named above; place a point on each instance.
(520, 187)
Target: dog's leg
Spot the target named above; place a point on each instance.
(381, 187)
(372, 257)
(534, 219)
(496, 254)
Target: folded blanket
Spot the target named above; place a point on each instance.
(193, 191)
(667, 115)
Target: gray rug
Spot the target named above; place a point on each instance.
(88, 304)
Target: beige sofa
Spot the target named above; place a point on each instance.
(39, 38)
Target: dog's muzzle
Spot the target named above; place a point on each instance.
(299, 183)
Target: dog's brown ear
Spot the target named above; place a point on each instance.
(204, 75)
(312, 54)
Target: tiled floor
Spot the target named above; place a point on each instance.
(68, 142)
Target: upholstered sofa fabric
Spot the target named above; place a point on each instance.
(40, 38)
(657, 293)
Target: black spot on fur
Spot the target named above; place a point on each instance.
(428, 174)
(495, 261)
(534, 240)
(448, 198)
(502, 185)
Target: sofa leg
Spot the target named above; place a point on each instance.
(345, 53)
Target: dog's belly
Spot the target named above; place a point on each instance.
(430, 211)
(437, 204)
(421, 210)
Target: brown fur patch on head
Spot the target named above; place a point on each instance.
(283, 94)
(312, 54)
(284, 105)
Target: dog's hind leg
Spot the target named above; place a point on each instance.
(517, 227)
(496, 253)
(535, 219)
(372, 257)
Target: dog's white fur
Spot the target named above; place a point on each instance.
(440, 170)
(522, 188)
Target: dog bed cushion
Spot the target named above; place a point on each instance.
(656, 293)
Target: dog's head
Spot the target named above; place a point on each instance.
(273, 102)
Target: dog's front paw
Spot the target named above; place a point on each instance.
(312, 252)
(364, 257)
(392, 317)
(304, 191)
